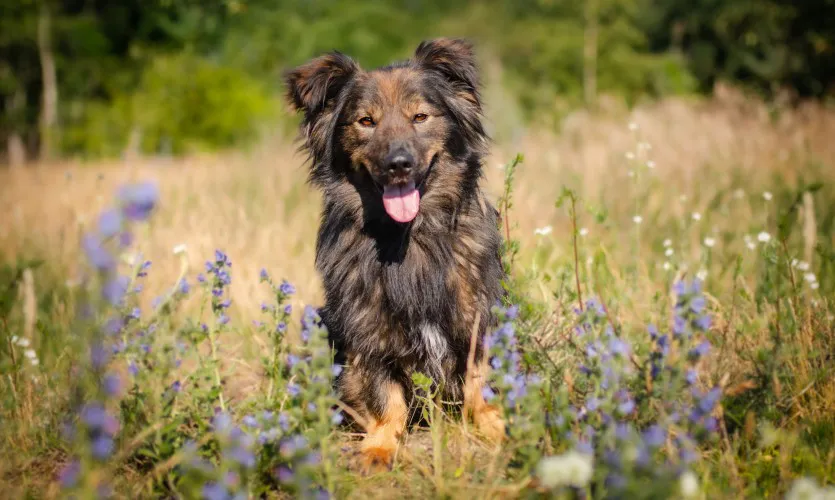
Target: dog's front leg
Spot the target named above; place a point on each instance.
(486, 417)
(385, 428)
(381, 402)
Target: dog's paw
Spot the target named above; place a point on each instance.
(375, 459)
(490, 424)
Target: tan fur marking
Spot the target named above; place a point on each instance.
(486, 417)
(380, 443)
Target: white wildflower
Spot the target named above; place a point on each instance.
(814, 286)
(15, 339)
(542, 231)
(131, 259)
(810, 277)
(650, 164)
(34, 361)
(633, 126)
(30, 353)
(570, 469)
(180, 249)
(668, 252)
(22, 342)
(767, 196)
(667, 266)
(806, 488)
(668, 242)
(630, 155)
(683, 197)
(583, 231)
(764, 237)
(749, 242)
(637, 219)
(802, 266)
(702, 274)
(688, 484)
(697, 216)
(710, 242)
(644, 146)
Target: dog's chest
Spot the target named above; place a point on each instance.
(435, 348)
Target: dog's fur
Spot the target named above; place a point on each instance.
(402, 297)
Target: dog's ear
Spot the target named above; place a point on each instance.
(311, 86)
(454, 59)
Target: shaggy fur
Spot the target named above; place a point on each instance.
(402, 297)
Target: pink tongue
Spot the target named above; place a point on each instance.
(401, 202)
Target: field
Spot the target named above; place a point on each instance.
(675, 322)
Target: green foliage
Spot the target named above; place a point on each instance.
(182, 104)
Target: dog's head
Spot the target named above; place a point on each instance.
(384, 130)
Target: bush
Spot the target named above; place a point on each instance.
(183, 104)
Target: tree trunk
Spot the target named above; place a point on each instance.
(590, 52)
(15, 147)
(16, 150)
(49, 104)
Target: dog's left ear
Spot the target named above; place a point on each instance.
(454, 59)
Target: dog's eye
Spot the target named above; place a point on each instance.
(420, 118)
(366, 121)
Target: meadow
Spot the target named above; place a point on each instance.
(670, 331)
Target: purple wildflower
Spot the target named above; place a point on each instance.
(138, 200)
(114, 326)
(286, 288)
(512, 312)
(700, 350)
(112, 384)
(102, 447)
(654, 436)
(703, 322)
(115, 289)
(69, 474)
(110, 222)
(97, 254)
(99, 356)
(215, 491)
(284, 474)
(283, 421)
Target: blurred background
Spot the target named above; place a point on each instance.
(93, 79)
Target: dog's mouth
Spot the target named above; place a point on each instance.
(401, 201)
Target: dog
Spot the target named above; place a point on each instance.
(408, 247)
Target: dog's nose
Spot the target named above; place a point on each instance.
(400, 163)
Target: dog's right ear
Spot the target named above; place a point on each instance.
(311, 86)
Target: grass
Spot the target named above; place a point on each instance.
(729, 190)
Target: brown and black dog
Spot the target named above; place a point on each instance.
(408, 246)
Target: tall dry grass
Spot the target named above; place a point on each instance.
(257, 207)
